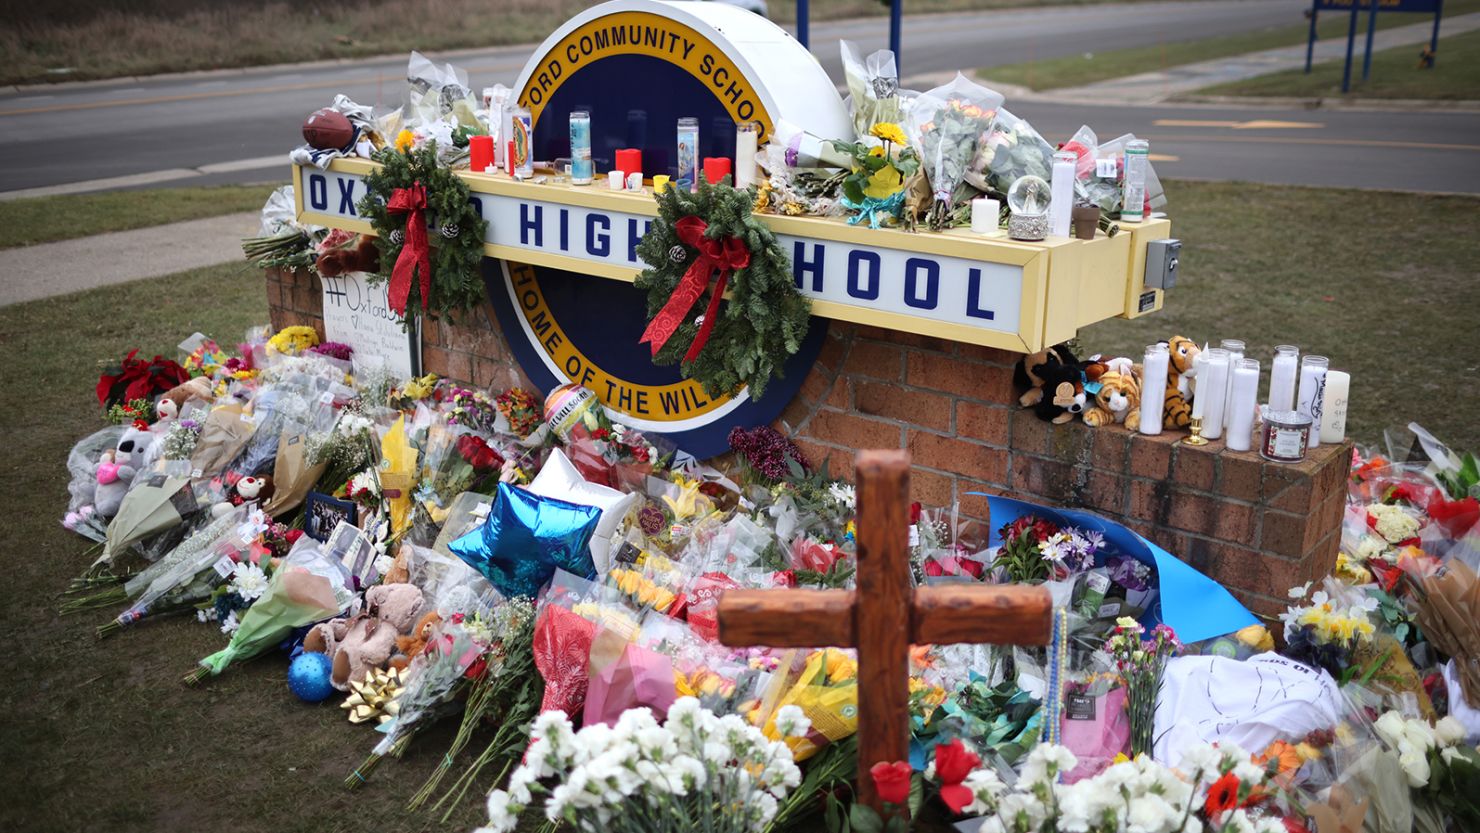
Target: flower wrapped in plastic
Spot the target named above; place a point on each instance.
(307, 587)
(826, 691)
(1012, 151)
(948, 124)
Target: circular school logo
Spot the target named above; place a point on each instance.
(638, 67)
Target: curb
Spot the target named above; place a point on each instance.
(1403, 105)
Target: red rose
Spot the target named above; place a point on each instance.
(953, 762)
(892, 781)
(1222, 796)
(292, 536)
(476, 668)
(915, 511)
(479, 454)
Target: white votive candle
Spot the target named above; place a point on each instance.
(1333, 406)
(985, 215)
(1312, 381)
(1282, 376)
(747, 140)
(1212, 390)
(1153, 387)
(1243, 396)
(616, 180)
(634, 181)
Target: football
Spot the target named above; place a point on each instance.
(327, 130)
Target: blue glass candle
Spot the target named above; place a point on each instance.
(581, 169)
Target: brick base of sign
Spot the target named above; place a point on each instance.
(1258, 528)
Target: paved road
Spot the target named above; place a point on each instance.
(226, 127)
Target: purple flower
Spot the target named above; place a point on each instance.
(334, 350)
(767, 451)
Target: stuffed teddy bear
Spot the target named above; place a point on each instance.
(1057, 392)
(1026, 375)
(246, 489)
(117, 468)
(1176, 409)
(368, 640)
(411, 646)
(1118, 401)
(196, 390)
(361, 257)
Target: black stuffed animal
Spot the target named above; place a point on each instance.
(1054, 383)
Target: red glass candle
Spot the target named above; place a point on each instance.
(716, 168)
(629, 161)
(480, 153)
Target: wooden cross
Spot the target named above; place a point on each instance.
(884, 616)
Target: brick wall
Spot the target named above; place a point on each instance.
(1256, 527)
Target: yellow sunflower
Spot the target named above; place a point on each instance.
(889, 132)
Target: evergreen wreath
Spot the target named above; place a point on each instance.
(765, 318)
(456, 234)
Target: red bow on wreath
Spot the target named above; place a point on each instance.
(415, 251)
(726, 255)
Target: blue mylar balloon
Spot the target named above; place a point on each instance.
(527, 538)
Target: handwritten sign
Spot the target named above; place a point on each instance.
(358, 314)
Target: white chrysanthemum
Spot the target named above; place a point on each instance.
(843, 493)
(249, 581)
(518, 787)
(229, 625)
(500, 816)
(1045, 762)
(686, 773)
(655, 743)
(766, 806)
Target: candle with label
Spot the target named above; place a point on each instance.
(1212, 386)
(1154, 387)
(582, 171)
(747, 142)
(1137, 153)
(1333, 406)
(1243, 396)
(686, 173)
(521, 159)
(1308, 403)
(1282, 376)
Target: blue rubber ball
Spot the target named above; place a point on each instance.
(308, 677)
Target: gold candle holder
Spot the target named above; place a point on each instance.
(1196, 438)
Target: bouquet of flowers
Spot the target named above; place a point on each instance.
(875, 188)
(696, 771)
(1141, 663)
(1324, 631)
(1216, 788)
(949, 124)
(1022, 557)
(1012, 150)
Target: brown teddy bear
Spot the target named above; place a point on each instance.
(411, 646)
(367, 640)
(361, 257)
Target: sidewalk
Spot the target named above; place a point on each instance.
(1156, 87)
(50, 269)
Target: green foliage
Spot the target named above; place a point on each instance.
(765, 318)
(457, 261)
(1463, 482)
(866, 163)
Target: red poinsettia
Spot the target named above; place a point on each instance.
(953, 762)
(479, 454)
(134, 378)
(892, 781)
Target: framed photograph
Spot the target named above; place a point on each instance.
(322, 513)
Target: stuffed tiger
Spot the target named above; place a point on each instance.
(1176, 412)
(1119, 400)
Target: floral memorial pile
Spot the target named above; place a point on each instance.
(423, 551)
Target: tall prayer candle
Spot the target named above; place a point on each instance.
(1282, 376)
(1061, 193)
(1212, 386)
(686, 175)
(1235, 349)
(1333, 406)
(1244, 396)
(747, 142)
(1312, 382)
(1199, 366)
(1137, 153)
(521, 158)
(1154, 387)
(582, 170)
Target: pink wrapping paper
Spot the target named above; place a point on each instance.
(625, 676)
(1096, 742)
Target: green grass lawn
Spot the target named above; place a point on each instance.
(46, 219)
(1287, 265)
(109, 739)
(1455, 76)
(1074, 70)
